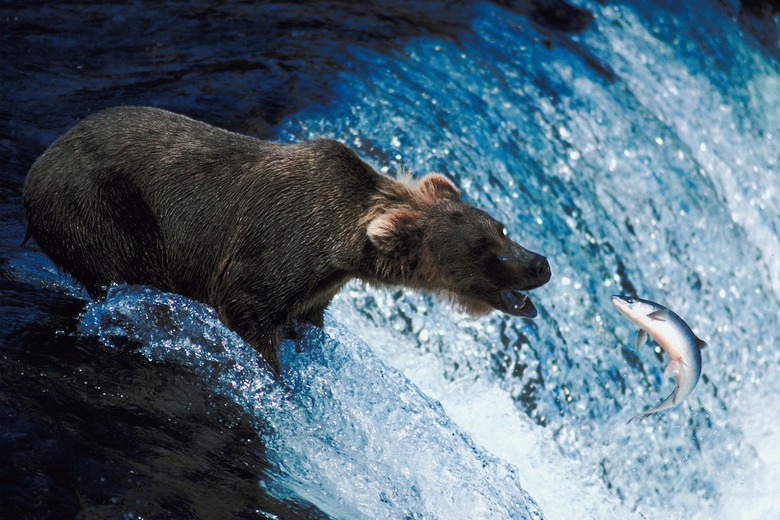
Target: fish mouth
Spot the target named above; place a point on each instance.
(517, 303)
(622, 303)
(617, 300)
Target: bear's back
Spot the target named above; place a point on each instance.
(165, 198)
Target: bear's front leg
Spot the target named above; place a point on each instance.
(251, 319)
(315, 316)
(267, 344)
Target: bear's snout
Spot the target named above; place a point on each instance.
(538, 272)
(525, 270)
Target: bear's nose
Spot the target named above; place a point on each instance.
(540, 270)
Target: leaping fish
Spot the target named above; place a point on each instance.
(674, 336)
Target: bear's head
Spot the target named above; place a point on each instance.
(435, 241)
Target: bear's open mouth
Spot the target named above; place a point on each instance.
(517, 303)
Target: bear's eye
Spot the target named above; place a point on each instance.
(501, 229)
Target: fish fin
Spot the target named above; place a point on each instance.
(641, 339)
(674, 395)
(700, 343)
(673, 368)
(642, 415)
(659, 315)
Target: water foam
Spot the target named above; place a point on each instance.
(637, 163)
(342, 429)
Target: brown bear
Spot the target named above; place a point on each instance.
(266, 233)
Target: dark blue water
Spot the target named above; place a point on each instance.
(634, 144)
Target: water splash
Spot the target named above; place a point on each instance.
(638, 164)
(641, 157)
(341, 429)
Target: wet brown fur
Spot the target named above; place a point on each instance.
(266, 233)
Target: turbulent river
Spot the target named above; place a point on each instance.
(635, 144)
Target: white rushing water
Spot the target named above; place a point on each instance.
(639, 156)
(342, 430)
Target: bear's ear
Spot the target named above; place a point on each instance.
(435, 186)
(397, 233)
